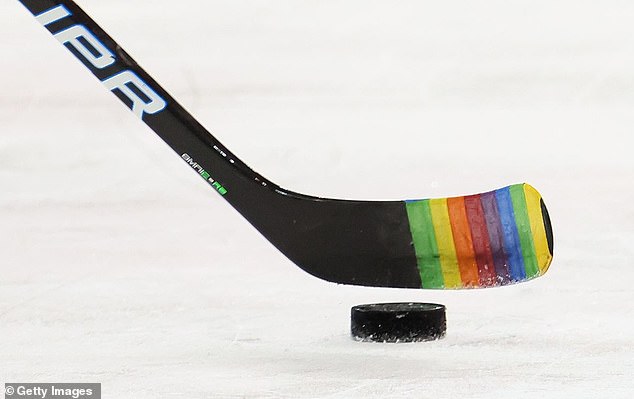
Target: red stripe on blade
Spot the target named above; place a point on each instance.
(481, 243)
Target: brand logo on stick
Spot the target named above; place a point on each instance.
(88, 47)
(201, 171)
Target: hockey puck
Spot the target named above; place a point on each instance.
(398, 322)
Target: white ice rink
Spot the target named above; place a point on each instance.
(119, 265)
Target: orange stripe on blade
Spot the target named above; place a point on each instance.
(464, 244)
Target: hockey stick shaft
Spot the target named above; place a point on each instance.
(119, 73)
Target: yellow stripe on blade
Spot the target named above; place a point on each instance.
(534, 207)
(444, 240)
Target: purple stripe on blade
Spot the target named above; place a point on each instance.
(496, 236)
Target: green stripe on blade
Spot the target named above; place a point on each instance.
(524, 229)
(424, 239)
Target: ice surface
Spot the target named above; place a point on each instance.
(118, 265)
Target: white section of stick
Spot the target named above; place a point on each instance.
(53, 15)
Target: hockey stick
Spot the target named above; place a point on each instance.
(484, 240)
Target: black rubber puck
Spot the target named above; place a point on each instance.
(398, 322)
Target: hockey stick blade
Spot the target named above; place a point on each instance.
(484, 240)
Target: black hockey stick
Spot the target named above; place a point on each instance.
(483, 240)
